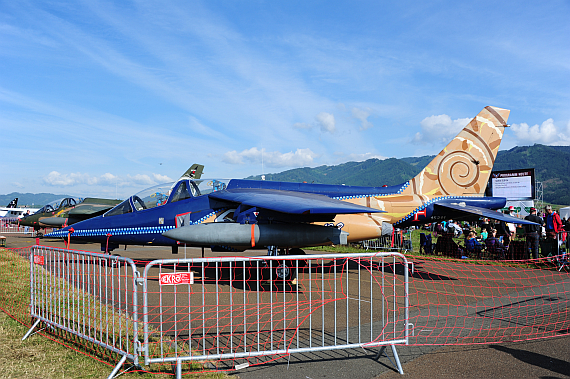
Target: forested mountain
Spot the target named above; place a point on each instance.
(551, 164)
(373, 172)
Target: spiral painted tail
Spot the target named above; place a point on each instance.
(463, 167)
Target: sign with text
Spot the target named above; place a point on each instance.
(512, 184)
(39, 259)
(176, 278)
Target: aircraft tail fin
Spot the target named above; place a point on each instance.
(194, 172)
(464, 166)
(13, 203)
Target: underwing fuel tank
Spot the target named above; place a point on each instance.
(260, 235)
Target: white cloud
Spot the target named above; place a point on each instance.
(326, 122)
(439, 129)
(141, 179)
(301, 157)
(162, 178)
(57, 179)
(109, 178)
(54, 178)
(362, 115)
(546, 133)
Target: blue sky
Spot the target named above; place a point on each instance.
(107, 98)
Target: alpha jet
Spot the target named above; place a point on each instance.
(51, 209)
(88, 208)
(244, 214)
(93, 207)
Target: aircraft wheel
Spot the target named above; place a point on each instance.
(286, 270)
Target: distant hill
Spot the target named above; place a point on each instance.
(551, 164)
(37, 200)
(373, 172)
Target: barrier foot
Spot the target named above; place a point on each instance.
(117, 367)
(29, 332)
(396, 357)
(178, 370)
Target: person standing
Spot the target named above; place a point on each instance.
(512, 227)
(532, 233)
(504, 231)
(553, 226)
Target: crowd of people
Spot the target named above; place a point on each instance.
(547, 236)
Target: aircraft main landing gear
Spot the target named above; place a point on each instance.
(286, 269)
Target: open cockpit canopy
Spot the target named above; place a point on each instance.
(168, 193)
(58, 204)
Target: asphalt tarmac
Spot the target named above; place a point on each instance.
(543, 358)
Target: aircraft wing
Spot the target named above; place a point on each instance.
(470, 211)
(289, 201)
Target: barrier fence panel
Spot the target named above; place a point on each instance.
(89, 295)
(15, 282)
(471, 302)
(235, 309)
(11, 226)
(400, 240)
(556, 248)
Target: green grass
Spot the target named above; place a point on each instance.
(45, 355)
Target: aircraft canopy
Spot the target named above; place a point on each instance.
(168, 193)
(60, 204)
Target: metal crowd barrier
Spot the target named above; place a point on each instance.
(240, 309)
(226, 309)
(557, 249)
(10, 226)
(89, 295)
(399, 241)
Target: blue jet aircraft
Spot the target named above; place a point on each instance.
(244, 214)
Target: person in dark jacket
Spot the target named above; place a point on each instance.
(504, 231)
(472, 245)
(494, 245)
(532, 233)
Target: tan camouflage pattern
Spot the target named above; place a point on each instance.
(462, 168)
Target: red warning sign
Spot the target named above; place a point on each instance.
(39, 259)
(177, 278)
